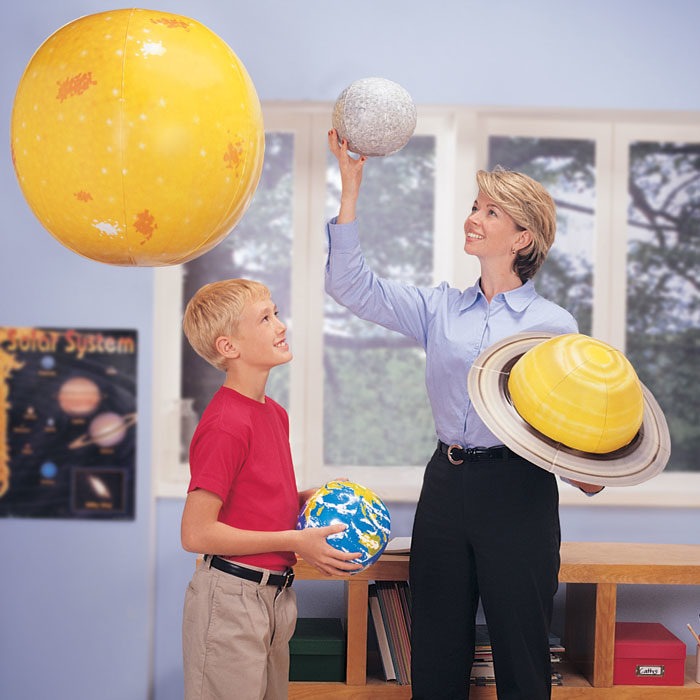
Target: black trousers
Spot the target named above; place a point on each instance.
(485, 529)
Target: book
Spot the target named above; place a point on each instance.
(393, 603)
(381, 634)
(482, 673)
(390, 608)
(398, 633)
(398, 545)
(484, 682)
(391, 626)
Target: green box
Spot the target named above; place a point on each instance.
(317, 650)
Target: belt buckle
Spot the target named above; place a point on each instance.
(449, 455)
(288, 579)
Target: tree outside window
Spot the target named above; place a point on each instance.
(566, 167)
(376, 409)
(663, 286)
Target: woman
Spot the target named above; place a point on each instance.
(487, 521)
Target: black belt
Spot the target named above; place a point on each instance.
(280, 580)
(458, 454)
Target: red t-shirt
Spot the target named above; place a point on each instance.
(240, 451)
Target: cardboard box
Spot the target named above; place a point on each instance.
(317, 650)
(646, 653)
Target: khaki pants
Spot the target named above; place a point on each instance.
(235, 637)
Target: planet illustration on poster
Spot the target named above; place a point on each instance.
(98, 486)
(79, 396)
(105, 430)
(48, 470)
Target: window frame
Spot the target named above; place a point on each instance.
(461, 148)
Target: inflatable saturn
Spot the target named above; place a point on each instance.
(572, 405)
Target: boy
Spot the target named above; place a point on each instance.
(242, 506)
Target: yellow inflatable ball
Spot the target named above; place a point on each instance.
(578, 391)
(137, 137)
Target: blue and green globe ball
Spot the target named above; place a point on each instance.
(367, 519)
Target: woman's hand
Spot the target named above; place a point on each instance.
(350, 177)
(587, 488)
(304, 496)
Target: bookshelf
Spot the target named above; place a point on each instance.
(592, 572)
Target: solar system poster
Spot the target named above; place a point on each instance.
(67, 423)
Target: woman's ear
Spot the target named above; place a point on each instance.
(226, 346)
(523, 240)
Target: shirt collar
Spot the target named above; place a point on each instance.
(469, 296)
(517, 299)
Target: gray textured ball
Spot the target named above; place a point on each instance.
(375, 115)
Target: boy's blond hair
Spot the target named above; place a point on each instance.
(529, 204)
(214, 311)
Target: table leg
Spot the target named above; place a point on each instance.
(358, 601)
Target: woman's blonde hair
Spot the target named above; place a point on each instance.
(529, 204)
(215, 310)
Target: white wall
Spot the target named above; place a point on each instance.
(93, 609)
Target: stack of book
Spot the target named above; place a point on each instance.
(390, 612)
(557, 653)
(390, 609)
(482, 668)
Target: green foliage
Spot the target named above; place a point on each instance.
(566, 167)
(377, 410)
(396, 211)
(663, 287)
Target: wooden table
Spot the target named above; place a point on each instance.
(591, 570)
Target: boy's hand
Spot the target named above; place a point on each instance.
(313, 548)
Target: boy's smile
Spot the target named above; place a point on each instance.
(262, 338)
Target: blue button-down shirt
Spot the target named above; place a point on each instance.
(452, 326)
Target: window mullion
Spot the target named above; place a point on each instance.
(617, 245)
(170, 474)
(311, 277)
(465, 268)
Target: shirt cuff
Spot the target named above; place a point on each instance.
(342, 237)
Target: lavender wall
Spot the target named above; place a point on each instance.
(93, 609)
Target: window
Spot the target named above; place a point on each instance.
(376, 411)
(625, 263)
(566, 167)
(663, 283)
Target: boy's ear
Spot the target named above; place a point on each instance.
(226, 346)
